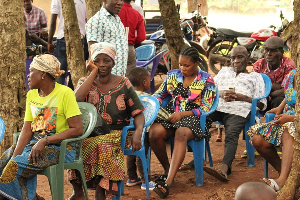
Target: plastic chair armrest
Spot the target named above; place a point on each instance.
(270, 117)
(124, 134)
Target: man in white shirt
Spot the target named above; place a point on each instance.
(237, 88)
(60, 50)
(137, 8)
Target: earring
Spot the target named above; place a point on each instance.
(43, 78)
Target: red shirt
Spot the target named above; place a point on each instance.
(134, 20)
(276, 76)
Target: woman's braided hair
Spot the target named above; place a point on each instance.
(191, 52)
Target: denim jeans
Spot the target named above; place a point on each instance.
(234, 124)
(61, 55)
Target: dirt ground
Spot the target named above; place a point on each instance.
(184, 185)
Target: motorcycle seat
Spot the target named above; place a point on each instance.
(232, 33)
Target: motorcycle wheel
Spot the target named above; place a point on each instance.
(203, 64)
(219, 57)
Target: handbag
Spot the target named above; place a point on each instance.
(101, 127)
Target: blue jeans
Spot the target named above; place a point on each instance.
(61, 55)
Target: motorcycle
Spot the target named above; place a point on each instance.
(159, 40)
(226, 39)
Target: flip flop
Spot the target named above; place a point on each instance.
(162, 189)
(217, 173)
(271, 183)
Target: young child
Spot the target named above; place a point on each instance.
(254, 191)
(140, 79)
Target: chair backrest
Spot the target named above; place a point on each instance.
(268, 85)
(155, 61)
(145, 52)
(89, 118)
(151, 105)
(2, 129)
(212, 109)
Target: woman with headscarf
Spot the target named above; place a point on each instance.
(116, 101)
(52, 115)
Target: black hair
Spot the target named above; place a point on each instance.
(137, 75)
(191, 52)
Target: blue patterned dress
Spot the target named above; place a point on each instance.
(198, 97)
(273, 132)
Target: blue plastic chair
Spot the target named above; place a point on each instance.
(154, 61)
(269, 117)
(2, 129)
(199, 147)
(254, 112)
(145, 52)
(151, 105)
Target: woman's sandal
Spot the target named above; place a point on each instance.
(162, 189)
(271, 183)
(161, 178)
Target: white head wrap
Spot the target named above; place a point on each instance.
(105, 48)
(47, 63)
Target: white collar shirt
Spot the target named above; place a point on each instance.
(249, 84)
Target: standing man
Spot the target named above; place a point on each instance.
(106, 26)
(135, 22)
(276, 66)
(137, 8)
(36, 21)
(60, 51)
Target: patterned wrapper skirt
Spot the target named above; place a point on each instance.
(103, 161)
(19, 176)
(272, 132)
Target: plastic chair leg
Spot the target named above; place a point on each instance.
(207, 146)
(149, 161)
(145, 169)
(120, 187)
(266, 169)
(250, 152)
(81, 170)
(198, 159)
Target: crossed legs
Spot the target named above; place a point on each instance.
(268, 152)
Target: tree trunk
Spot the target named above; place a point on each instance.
(193, 6)
(170, 20)
(12, 67)
(74, 49)
(291, 187)
(92, 7)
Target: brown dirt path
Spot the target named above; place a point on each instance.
(184, 186)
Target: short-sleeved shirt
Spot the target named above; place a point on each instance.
(276, 76)
(249, 84)
(34, 19)
(80, 6)
(116, 105)
(105, 27)
(49, 114)
(134, 20)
